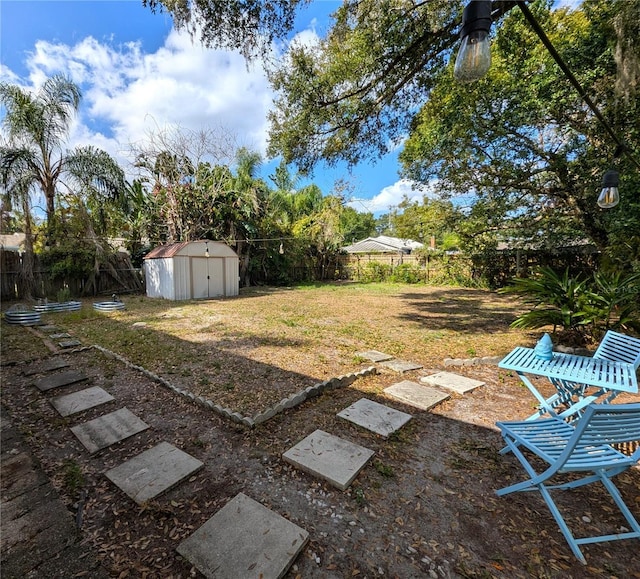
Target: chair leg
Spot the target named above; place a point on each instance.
(617, 498)
(546, 495)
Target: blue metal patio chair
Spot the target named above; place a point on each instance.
(581, 447)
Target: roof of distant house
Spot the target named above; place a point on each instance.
(13, 242)
(383, 244)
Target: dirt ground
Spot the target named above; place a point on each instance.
(423, 507)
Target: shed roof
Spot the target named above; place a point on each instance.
(383, 244)
(174, 249)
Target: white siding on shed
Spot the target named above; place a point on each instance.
(183, 271)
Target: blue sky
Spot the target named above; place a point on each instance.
(138, 74)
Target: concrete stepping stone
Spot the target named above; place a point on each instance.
(401, 365)
(153, 472)
(69, 404)
(374, 356)
(59, 336)
(108, 429)
(375, 417)
(418, 395)
(47, 328)
(69, 343)
(329, 457)
(245, 540)
(450, 381)
(48, 366)
(58, 380)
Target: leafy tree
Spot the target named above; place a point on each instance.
(355, 226)
(186, 170)
(421, 221)
(249, 26)
(521, 139)
(354, 94)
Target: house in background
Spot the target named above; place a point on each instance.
(13, 242)
(383, 244)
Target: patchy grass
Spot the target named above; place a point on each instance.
(249, 352)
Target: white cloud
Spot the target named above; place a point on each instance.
(127, 93)
(389, 197)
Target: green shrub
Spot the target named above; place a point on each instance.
(407, 273)
(580, 306)
(374, 271)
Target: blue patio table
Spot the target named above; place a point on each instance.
(579, 380)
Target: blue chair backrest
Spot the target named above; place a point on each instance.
(617, 347)
(610, 424)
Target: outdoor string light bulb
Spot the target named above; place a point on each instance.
(206, 249)
(281, 249)
(609, 196)
(474, 57)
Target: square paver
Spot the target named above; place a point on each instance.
(244, 539)
(374, 356)
(48, 366)
(329, 457)
(108, 429)
(153, 472)
(48, 328)
(59, 336)
(418, 395)
(69, 343)
(450, 381)
(375, 417)
(401, 365)
(69, 404)
(58, 380)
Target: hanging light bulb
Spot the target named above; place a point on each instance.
(281, 250)
(609, 196)
(474, 57)
(206, 249)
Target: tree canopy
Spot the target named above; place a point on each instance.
(249, 26)
(521, 141)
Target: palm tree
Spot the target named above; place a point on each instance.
(36, 125)
(32, 158)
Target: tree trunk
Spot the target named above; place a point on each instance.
(26, 277)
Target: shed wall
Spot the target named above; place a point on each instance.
(159, 278)
(231, 276)
(182, 277)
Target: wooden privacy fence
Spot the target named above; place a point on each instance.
(119, 276)
(358, 266)
(491, 268)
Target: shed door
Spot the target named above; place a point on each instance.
(207, 277)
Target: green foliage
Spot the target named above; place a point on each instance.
(73, 477)
(407, 273)
(580, 306)
(63, 295)
(519, 140)
(613, 300)
(453, 270)
(69, 261)
(374, 271)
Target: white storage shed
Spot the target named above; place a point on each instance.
(192, 270)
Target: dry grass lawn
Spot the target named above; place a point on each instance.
(248, 353)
